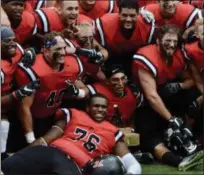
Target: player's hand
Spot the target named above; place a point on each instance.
(98, 59)
(94, 56)
(71, 89)
(71, 31)
(172, 88)
(27, 90)
(175, 123)
(29, 57)
(147, 15)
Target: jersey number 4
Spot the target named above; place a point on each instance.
(54, 98)
(92, 141)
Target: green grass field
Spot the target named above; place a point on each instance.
(163, 169)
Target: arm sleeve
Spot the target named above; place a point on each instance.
(131, 164)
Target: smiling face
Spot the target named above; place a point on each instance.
(14, 9)
(168, 7)
(56, 53)
(97, 109)
(69, 11)
(168, 44)
(86, 36)
(8, 48)
(128, 18)
(117, 83)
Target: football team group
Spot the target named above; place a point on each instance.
(82, 79)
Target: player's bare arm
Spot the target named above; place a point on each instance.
(55, 132)
(79, 84)
(150, 90)
(26, 117)
(196, 76)
(101, 49)
(187, 80)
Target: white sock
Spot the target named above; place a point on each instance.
(4, 134)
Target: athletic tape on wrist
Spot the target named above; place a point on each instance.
(81, 94)
(30, 137)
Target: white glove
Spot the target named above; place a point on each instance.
(147, 15)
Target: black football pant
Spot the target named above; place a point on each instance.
(151, 126)
(39, 160)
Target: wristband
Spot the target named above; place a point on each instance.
(30, 137)
(44, 142)
(81, 94)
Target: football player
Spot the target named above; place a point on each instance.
(118, 93)
(166, 84)
(76, 138)
(95, 9)
(22, 22)
(11, 54)
(58, 75)
(172, 12)
(124, 32)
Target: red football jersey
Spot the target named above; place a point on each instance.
(143, 3)
(110, 36)
(32, 5)
(85, 139)
(26, 29)
(193, 52)
(126, 104)
(52, 83)
(185, 15)
(99, 9)
(48, 20)
(8, 69)
(149, 58)
(196, 3)
(89, 68)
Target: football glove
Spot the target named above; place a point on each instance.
(175, 123)
(71, 90)
(94, 56)
(27, 90)
(172, 88)
(29, 57)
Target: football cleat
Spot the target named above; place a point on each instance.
(191, 161)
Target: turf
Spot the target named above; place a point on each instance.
(163, 169)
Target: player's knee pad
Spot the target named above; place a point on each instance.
(105, 165)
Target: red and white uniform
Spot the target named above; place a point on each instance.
(84, 138)
(196, 3)
(48, 20)
(109, 34)
(32, 5)
(89, 68)
(26, 28)
(150, 59)
(184, 16)
(99, 9)
(194, 53)
(129, 100)
(52, 83)
(8, 70)
(143, 3)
